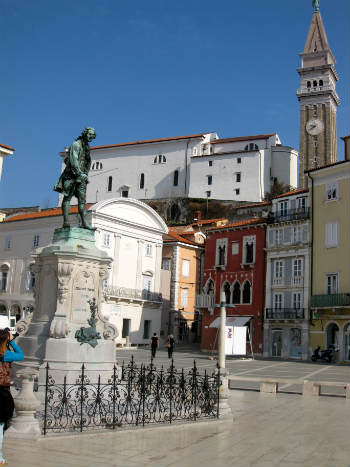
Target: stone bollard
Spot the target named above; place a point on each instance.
(224, 407)
(25, 425)
(269, 386)
(311, 388)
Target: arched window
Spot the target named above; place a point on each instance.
(142, 181)
(155, 160)
(210, 288)
(246, 292)
(93, 166)
(227, 291)
(4, 270)
(110, 183)
(315, 83)
(164, 159)
(176, 178)
(236, 293)
(308, 84)
(320, 82)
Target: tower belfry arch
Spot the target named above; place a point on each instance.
(318, 100)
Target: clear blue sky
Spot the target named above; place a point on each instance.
(142, 69)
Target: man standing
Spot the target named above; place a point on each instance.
(154, 344)
(74, 178)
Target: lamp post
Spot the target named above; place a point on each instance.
(222, 333)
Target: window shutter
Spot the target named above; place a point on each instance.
(304, 233)
(287, 234)
(271, 237)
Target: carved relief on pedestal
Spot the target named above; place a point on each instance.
(64, 276)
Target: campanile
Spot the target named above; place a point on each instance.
(318, 100)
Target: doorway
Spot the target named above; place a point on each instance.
(276, 343)
(332, 336)
(295, 343)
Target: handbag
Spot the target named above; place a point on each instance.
(5, 372)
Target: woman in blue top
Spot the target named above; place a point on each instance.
(9, 352)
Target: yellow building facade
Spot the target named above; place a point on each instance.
(330, 282)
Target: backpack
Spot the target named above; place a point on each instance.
(5, 372)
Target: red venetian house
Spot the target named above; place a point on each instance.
(235, 264)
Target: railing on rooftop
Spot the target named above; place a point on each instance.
(133, 294)
(330, 300)
(284, 313)
(289, 215)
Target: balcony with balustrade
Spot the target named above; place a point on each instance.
(285, 314)
(289, 215)
(330, 300)
(132, 295)
(205, 301)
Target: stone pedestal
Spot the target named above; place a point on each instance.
(69, 273)
(224, 407)
(25, 425)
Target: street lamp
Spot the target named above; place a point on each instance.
(222, 332)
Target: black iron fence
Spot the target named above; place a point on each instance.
(132, 395)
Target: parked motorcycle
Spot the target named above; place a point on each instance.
(327, 355)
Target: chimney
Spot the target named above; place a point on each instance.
(197, 216)
(346, 140)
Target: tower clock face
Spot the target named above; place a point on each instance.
(314, 127)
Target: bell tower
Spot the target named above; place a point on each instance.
(318, 100)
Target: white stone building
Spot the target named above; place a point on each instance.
(243, 168)
(128, 230)
(5, 150)
(288, 256)
(197, 166)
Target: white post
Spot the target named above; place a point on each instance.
(222, 333)
(224, 408)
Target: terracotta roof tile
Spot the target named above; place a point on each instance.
(261, 220)
(253, 205)
(175, 237)
(44, 213)
(242, 138)
(7, 147)
(208, 221)
(160, 140)
(292, 192)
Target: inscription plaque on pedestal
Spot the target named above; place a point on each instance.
(83, 291)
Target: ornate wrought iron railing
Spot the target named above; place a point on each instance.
(284, 313)
(133, 294)
(290, 215)
(133, 395)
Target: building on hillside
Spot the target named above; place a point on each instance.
(5, 151)
(235, 264)
(243, 168)
(286, 320)
(330, 284)
(182, 252)
(128, 230)
(199, 165)
(318, 101)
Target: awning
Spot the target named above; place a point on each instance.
(231, 321)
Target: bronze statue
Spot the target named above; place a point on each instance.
(316, 5)
(74, 178)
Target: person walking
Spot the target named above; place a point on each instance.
(154, 344)
(170, 345)
(9, 352)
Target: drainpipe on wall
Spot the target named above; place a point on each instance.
(312, 242)
(186, 163)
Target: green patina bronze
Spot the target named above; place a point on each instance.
(89, 335)
(316, 5)
(74, 178)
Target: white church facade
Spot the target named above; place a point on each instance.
(128, 230)
(197, 166)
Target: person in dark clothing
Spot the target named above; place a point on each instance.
(9, 352)
(154, 344)
(170, 345)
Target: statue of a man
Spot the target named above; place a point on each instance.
(316, 5)
(74, 178)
